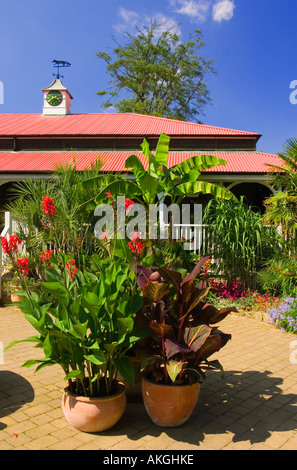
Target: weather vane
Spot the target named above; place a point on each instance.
(58, 64)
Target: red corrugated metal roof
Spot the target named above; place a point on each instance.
(119, 124)
(237, 162)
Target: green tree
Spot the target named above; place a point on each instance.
(161, 75)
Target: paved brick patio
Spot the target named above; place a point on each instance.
(255, 407)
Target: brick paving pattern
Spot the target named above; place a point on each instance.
(253, 408)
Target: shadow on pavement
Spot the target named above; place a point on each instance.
(250, 405)
(15, 391)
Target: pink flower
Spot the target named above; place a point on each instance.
(104, 235)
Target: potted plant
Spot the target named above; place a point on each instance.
(183, 337)
(87, 329)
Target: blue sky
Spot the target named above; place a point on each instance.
(253, 43)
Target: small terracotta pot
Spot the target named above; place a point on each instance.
(94, 414)
(169, 405)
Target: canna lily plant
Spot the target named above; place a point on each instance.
(183, 327)
(88, 326)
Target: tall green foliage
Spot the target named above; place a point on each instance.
(238, 240)
(74, 223)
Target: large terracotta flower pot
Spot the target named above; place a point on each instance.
(169, 405)
(94, 414)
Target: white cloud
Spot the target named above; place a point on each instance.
(130, 19)
(195, 9)
(223, 10)
(166, 24)
(128, 15)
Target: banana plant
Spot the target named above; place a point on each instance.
(155, 178)
(177, 182)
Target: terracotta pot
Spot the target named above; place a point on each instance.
(94, 414)
(169, 405)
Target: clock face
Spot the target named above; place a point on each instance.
(54, 98)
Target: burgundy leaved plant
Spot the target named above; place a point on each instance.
(183, 325)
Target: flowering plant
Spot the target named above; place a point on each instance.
(10, 247)
(284, 315)
(88, 327)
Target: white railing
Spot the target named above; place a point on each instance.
(193, 235)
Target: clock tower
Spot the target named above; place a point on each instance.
(56, 100)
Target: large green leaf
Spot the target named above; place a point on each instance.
(191, 188)
(134, 164)
(162, 150)
(97, 358)
(198, 163)
(117, 188)
(126, 369)
(58, 291)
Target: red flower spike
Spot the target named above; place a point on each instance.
(135, 245)
(23, 264)
(11, 246)
(48, 207)
(45, 256)
(128, 203)
(71, 269)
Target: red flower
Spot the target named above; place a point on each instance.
(11, 246)
(135, 245)
(48, 207)
(5, 246)
(109, 195)
(23, 264)
(71, 269)
(45, 255)
(128, 203)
